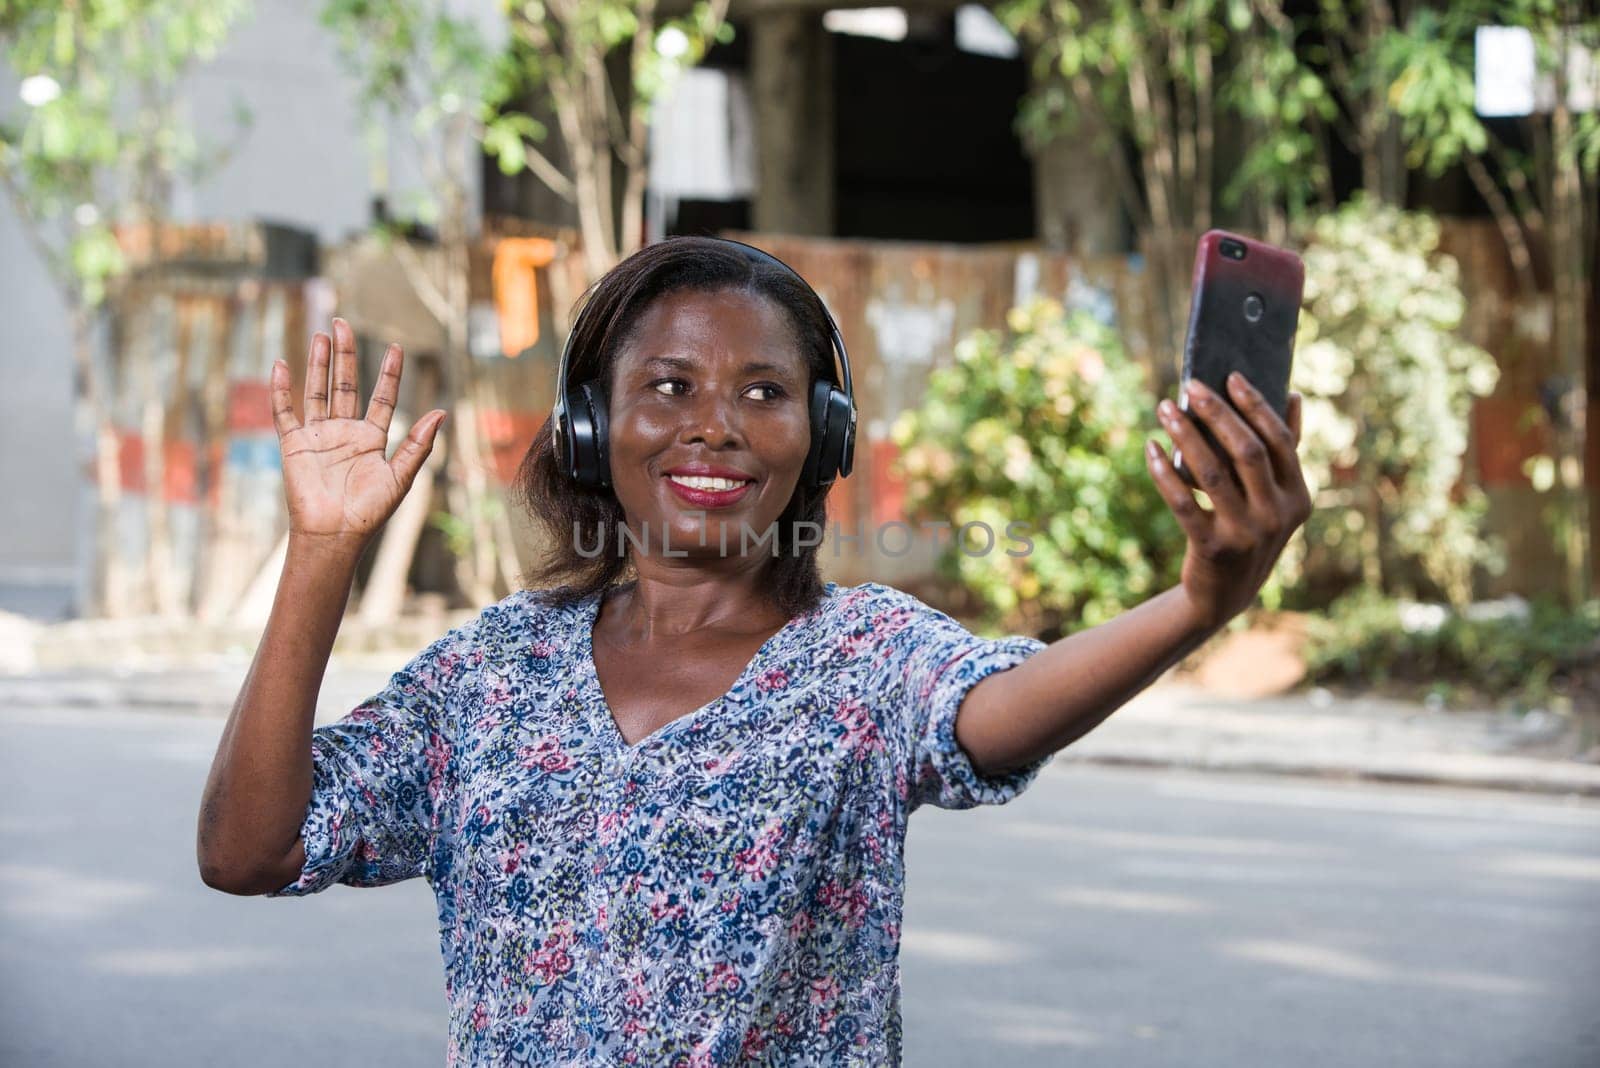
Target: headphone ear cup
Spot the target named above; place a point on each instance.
(813, 474)
(559, 437)
(567, 420)
(579, 458)
(845, 458)
(595, 393)
(834, 461)
(589, 426)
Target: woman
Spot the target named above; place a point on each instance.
(664, 818)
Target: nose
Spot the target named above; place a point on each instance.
(713, 420)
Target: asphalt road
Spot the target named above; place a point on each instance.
(1124, 918)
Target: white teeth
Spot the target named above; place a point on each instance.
(701, 483)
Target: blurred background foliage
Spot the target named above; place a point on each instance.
(1044, 423)
(1538, 655)
(1388, 385)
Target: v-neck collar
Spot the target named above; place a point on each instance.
(606, 722)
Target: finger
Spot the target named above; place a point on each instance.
(1210, 472)
(346, 395)
(1294, 417)
(1195, 521)
(381, 408)
(283, 417)
(1280, 440)
(1244, 446)
(317, 378)
(413, 451)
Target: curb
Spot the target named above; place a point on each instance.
(210, 693)
(1547, 778)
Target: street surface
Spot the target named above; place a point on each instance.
(1106, 918)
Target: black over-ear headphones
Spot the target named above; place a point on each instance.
(582, 433)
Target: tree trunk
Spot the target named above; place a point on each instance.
(211, 562)
(383, 596)
(150, 350)
(791, 72)
(468, 490)
(108, 595)
(1567, 255)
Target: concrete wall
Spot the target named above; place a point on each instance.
(38, 454)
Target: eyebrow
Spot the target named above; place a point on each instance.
(681, 363)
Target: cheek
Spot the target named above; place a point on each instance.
(639, 429)
(786, 438)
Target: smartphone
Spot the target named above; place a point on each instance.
(1242, 317)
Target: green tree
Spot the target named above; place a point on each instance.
(1160, 84)
(1141, 74)
(1544, 199)
(1313, 80)
(436, 77)
(562, 50)
(455, 90)
(97, 143)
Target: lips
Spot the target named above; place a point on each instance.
(708, 498)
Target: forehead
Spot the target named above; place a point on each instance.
(695, 325)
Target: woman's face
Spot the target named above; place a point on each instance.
(711, 385)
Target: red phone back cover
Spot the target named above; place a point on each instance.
(1222, 339)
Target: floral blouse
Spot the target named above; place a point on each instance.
(726, 890)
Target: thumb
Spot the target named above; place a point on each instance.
(413, 451)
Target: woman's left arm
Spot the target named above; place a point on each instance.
(1066, 690)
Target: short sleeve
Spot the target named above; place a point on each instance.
(378, 775)
(927, 664)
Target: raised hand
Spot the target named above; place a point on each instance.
(1232, 546)
(340, 487)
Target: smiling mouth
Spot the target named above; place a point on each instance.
(706, 484)
(702, 492)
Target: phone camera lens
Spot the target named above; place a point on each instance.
(1254, 307)
(1232, 249)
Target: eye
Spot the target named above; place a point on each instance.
(774, 391)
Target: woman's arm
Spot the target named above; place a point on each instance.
(340, 489)
(260, 783)
(1066, 690)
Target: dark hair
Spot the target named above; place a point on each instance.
(608, 314)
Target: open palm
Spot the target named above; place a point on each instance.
(336, 478)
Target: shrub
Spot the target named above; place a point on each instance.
(1527, 657)
(1388, 386)
(1045, 424)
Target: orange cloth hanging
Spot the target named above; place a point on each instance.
(516, 289)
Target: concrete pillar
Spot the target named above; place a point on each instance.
(1076, 204)
(791, 73)
(1075, 198)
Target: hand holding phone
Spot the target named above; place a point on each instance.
(1242, 317)
(1246, 307)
